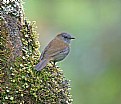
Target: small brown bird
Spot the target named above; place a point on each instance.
(55, 51)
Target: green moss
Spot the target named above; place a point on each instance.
(20, 82)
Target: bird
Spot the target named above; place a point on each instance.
(55, 51)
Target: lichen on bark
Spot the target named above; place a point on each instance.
(19, 51)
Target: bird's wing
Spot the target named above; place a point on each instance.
(43, 54)
(54, 47)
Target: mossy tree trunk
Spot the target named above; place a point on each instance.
(19, 81)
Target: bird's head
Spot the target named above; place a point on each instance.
(65, 37)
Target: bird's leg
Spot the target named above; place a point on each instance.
(53, 63)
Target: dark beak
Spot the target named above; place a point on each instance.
(72, 38)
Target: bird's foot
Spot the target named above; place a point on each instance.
(53, 64)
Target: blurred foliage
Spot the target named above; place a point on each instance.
(94, 64)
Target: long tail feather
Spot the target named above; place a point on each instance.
(41, 64)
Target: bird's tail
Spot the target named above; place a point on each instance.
(41, 64)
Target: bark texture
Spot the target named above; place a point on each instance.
(20, 83)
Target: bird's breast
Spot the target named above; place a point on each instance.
(61, 55)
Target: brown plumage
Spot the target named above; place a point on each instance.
(55, 51)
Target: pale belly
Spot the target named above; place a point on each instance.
(60, 56)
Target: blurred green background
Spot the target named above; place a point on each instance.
(94, 63)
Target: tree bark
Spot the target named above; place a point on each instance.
(19, 81)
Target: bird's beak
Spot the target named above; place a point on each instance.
(72, 38)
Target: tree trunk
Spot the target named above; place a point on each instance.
(19, 81)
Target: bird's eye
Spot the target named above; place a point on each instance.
(65, 37)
